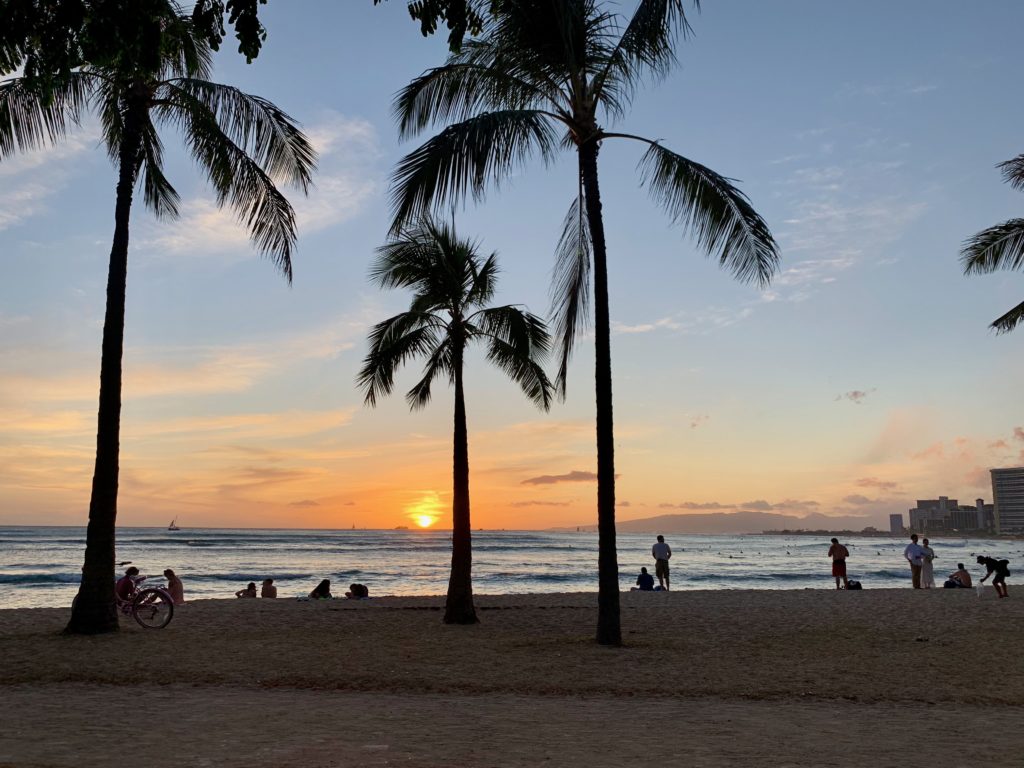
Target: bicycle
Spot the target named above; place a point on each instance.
(151, 607)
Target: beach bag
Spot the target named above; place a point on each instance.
(853, 584)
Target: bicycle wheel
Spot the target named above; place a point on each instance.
(153, 608)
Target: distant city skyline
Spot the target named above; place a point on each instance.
(863, 379)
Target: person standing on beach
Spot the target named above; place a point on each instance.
(1001, 569)
(914, 553)
(839, 553)
(927, 570)
(661, 552)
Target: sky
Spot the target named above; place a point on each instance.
(865, 377)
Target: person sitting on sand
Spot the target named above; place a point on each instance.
(268, 589)
(1001, 568)
(839, 553)
(644, 582)
(124, 589)
(174, 587)
(249, 591)
(357, 592)
(958, 579)
(322, 591)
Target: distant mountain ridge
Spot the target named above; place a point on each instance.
(735, 522)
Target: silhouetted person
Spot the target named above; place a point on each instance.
(268, 589)
(661, 552)
(1001, 569)
(839, 553)
(644, 582)
(174, 587)
(249, 591)
(321, 591)
(357, 592)
(914, 554)
(958, 579)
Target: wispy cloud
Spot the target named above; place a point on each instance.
(874, 482)
(347, 179)
(29, 180)
(855, 396)
(576, 476)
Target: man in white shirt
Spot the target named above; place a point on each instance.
(914, 553)
(661, 552)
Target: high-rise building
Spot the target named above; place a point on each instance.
(896, 523)
(932, 514)
(1008, 498)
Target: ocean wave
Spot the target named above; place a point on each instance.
(39, 579)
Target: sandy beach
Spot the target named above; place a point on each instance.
(763, 678)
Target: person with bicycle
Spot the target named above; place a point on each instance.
(125, 587)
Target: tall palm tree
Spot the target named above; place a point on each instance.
(243, 143)
(1000, 247)
(451, 286)
(542, 77)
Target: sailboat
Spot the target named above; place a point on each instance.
(174, 525)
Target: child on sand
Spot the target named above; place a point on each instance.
(249, 591)
(321, 591)
(268, 589)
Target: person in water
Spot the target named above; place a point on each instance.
(1001, 569)
(174, 587)
(322, 591)
(249, 591)
(268, 589)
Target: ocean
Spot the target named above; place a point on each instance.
(40, 566)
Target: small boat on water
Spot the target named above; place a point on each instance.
(174, 525)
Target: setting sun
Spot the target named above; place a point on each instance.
(426, 510)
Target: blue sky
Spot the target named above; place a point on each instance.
(866, 135)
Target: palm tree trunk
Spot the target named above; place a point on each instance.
(609, 630)
(94, 610)
(459, 605)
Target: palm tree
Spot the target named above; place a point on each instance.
(540, 78)
(451, 286)
(1000, 247)
(242, 142)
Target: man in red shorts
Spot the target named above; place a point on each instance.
(839, 553)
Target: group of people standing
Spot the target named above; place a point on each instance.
(920, 557)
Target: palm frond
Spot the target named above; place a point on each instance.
(998, 247)
(517, 341)
(441, 361)
(1010, 320)
(466, 157)
(570, 286)
(158, 194)
(647, 46)
(262, 130)
(719, 215)
(30, 119)
(483, 281)
(392, 343)
(237, 179)
(1013, 172)
(468, 84)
